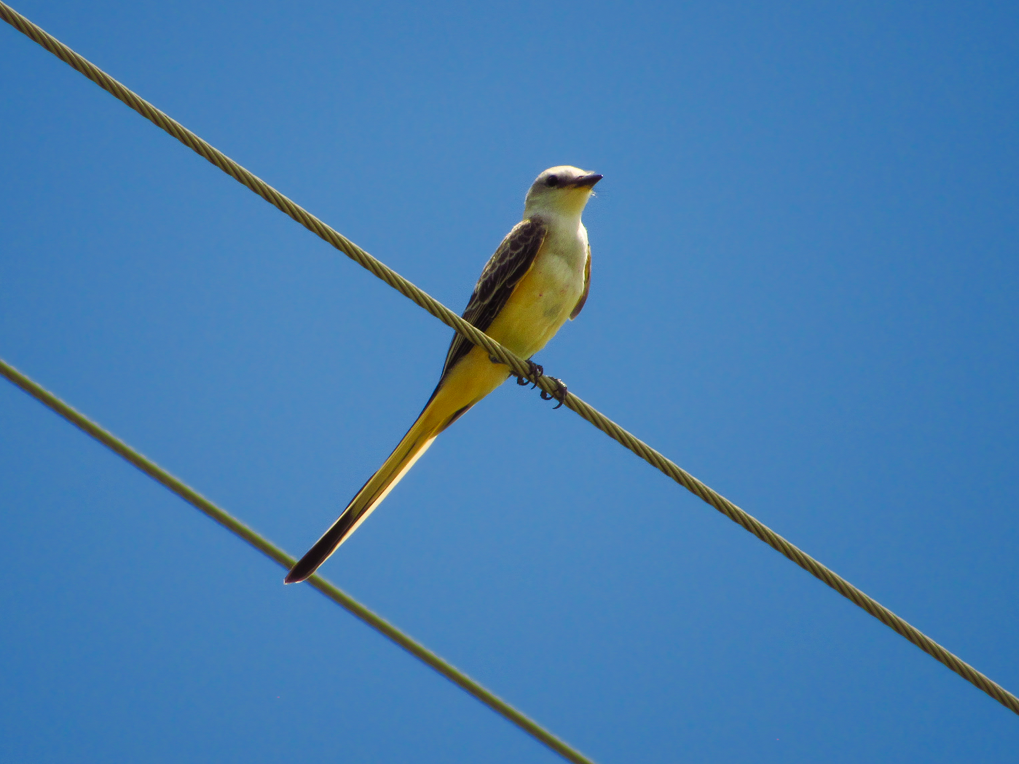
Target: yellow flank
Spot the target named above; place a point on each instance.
(538, 307)
(474, 377)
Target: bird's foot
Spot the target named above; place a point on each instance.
(559, 394)
(534, 372)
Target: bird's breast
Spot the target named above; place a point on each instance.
(546, 295)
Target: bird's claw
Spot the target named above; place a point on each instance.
(534, 373)
(559, 394)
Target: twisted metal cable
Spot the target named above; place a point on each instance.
(273, 552)
(444, 314)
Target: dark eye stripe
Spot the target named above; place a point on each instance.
(552, 181)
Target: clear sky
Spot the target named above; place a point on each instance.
(804, 292)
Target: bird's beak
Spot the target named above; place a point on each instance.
(586, 181)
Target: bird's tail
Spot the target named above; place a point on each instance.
(433, 420)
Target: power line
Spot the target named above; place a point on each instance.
(444, 314)
(273, 552)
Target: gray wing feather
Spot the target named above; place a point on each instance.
(587, 286)
(502, 273)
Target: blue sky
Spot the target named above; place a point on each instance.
(803, 292)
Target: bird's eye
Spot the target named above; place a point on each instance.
(552, 181)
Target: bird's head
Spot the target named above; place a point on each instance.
(561, 191)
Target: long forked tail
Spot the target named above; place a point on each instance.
(433, 420)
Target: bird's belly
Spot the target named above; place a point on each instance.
(539, 306)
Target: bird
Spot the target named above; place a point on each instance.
(538, 278)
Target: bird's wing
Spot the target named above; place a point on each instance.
(587, 286)
(502, 273)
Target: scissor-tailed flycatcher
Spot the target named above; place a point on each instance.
(537, 278)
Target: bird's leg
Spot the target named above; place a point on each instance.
(559, 394)
(534, 372)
